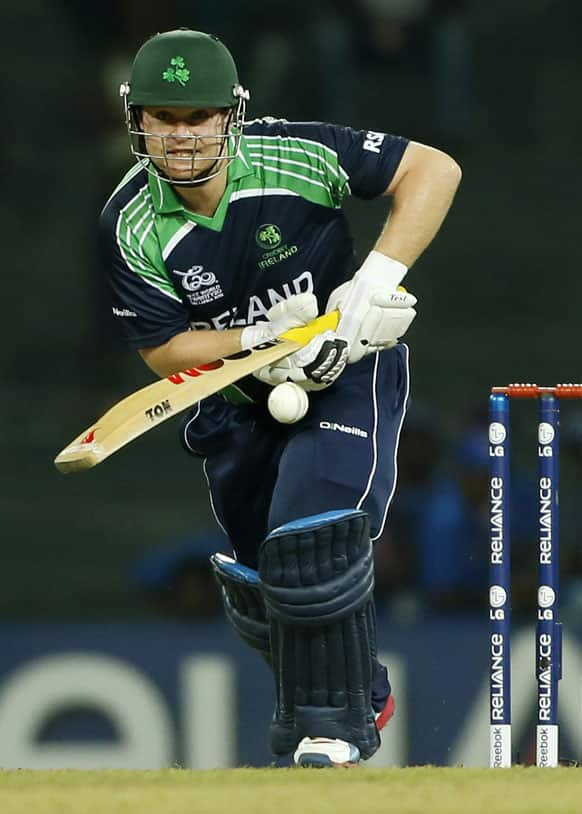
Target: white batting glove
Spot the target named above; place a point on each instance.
(387, 319)
(291, 313)
(374, 315)
(314, 367)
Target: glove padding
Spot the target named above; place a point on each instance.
(371, 287)
(293, 312)
(374, 322)
(314, 367)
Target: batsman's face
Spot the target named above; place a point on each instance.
(184, 142)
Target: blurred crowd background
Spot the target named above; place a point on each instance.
(496, 84)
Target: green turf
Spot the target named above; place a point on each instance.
(426, 790)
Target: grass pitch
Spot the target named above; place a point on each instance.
(424, 790)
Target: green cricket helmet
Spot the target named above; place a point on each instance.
(185, 68)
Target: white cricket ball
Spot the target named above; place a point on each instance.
(288, 403)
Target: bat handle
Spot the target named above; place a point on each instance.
(304, 334)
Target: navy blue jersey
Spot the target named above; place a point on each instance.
(278, 230)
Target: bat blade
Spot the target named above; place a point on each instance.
(155, 403)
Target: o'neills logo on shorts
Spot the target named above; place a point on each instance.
(348, 430)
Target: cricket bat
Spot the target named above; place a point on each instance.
(148, 407)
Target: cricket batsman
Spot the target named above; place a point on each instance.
(223, 235)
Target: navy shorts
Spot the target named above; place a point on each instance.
(342, 455)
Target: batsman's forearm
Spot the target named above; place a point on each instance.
(421, 201)
(191, 349)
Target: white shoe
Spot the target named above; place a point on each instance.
(319, 753)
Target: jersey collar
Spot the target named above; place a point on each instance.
(165, 200)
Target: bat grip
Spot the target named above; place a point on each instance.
(304, 334)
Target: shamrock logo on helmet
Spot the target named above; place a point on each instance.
(177, 72)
